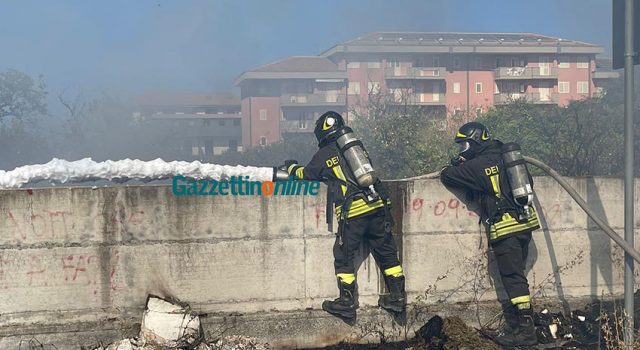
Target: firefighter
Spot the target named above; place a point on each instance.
(480, 172)
(363, 214)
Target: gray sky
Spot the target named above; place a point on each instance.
(125, 46)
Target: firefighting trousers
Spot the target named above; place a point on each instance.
(511, 256)
(371, 229)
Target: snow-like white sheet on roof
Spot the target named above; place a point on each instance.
(63, 171)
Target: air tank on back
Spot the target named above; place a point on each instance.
(518, 176)
(355, 155)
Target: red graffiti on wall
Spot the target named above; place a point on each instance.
(416, 206)
(40, 224)
(75, 265)
(37, 267)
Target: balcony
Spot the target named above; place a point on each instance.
(530, 97)
(514, 73)
(421, 99)
(416, 73)
(605, 74)
(294, 126)
(289, 100)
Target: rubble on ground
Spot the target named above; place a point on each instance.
(169, 324)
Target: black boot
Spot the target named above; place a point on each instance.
(344, 306)
(396, 300)
(511, 321)
(524, 334)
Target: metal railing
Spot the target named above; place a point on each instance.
(295, 126)
(513, 73)
(421, 99)
(531, 97)
(416, 73)
(313, 99)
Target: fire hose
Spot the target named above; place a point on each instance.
(572, 192)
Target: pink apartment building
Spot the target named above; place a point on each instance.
(446, 72)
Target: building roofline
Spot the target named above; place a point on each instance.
(537, 41)
(260, 72)
(250, 75)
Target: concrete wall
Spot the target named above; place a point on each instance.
(73, 259)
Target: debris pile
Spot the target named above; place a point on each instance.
(168, 324)
(579, 330)
(452, 333)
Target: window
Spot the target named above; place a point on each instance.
(373, 64)
(514, 62)
(523, 88)
(222, 122)
(236, 122)
(354, 88)
(302, 121)
(456, 88)
(263, 140)
(583, 87)
(478, 63)
(436, 61)
(563, 62)
(373, 87)
(478, 112)
(582, 62)
(233, 145)
(456, 62)
(563, 87)
(206, 122)
(478, 88)
(263, 114)
(498, 62)
(353, 65)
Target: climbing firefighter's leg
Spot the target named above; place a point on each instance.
(347, 243)
(384, 250)
(511, 255)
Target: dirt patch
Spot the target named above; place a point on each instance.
(456, 335)
(450, 333)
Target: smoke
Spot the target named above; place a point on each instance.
(104, 53)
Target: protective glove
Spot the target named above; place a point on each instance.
(288, 163)
(455, 161)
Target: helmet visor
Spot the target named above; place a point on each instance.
(464, 146)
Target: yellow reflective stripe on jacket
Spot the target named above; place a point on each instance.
(340, 175)
(300, 173)
(509, 225)
(360, 206)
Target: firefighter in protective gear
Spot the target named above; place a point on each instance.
(359, 218)
(479, 171)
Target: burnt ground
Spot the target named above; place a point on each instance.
(448, 334)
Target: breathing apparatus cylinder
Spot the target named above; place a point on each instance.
(355, 155)
(518, 177)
